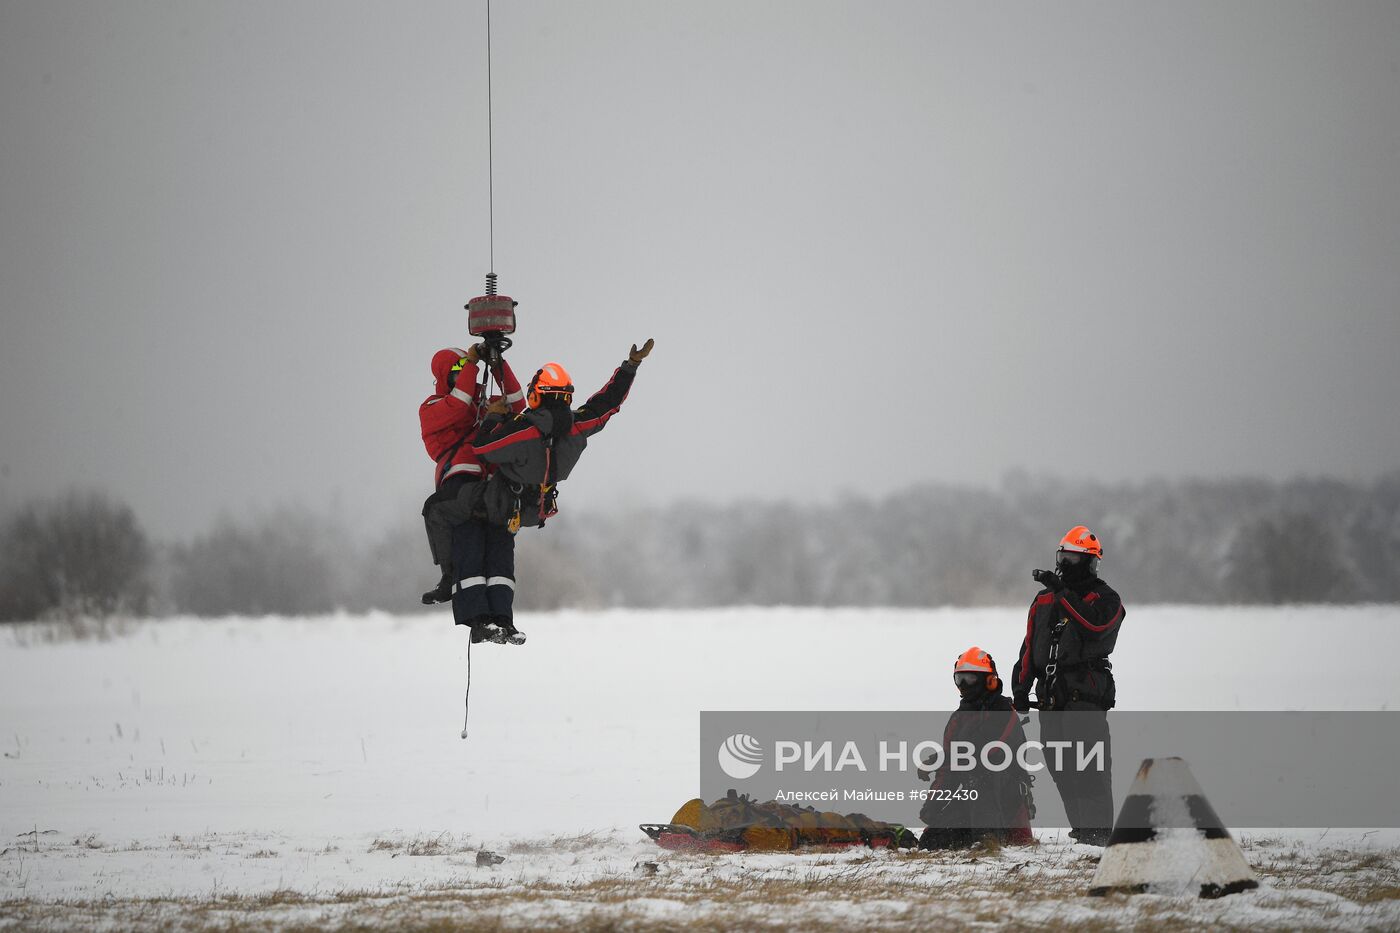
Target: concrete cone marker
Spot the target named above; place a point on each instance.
(1168, 840)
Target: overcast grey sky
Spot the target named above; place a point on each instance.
(877, 243)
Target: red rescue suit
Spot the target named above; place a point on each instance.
(448, 417)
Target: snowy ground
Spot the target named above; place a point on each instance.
(309, 772)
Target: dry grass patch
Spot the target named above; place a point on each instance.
(442, 843)
(573, 844)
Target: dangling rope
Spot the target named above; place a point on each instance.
(467, 700)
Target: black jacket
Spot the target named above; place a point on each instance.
(981, 720)
(1083, 622)
(541, 446)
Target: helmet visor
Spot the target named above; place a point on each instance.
(1071, 560)
(963, 679)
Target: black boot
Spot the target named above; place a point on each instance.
(1091, 837)
(440, 593)
(509, 634)
(484, 628)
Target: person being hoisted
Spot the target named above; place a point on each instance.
(1071, 630)
(449, 418)
(531, 453)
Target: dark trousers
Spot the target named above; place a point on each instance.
(456, 502)
(1088, 794)
(483, 557)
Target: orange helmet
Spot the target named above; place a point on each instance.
(976, 661)
(551, 379)
(1081, 540)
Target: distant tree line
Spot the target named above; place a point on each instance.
(1216, 541)
(80, 555)
(1198, 541)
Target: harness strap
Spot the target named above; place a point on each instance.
(445, 461)
(513, 523)
(492, 368)
(547, 490)
(481, 388)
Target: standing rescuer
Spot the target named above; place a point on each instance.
(1071, 630)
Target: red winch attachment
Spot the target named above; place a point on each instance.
(491, 313)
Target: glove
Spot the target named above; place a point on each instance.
(1048, 579)
(497, 406)
(1021, 703)
(636, 356)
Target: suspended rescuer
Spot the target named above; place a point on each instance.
(1071, 630)
(530, 453)
(1003, 806)
(449, 418)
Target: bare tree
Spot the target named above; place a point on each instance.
(80, 554)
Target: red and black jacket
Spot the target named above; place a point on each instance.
(1084, 623)
(980, 721)
(1003, 797)
(542, 445)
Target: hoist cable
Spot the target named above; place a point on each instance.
(490, 148)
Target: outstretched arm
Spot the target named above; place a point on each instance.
(592, 416)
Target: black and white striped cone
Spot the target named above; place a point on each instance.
(1168, 840)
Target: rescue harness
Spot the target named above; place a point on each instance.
(1053, 668)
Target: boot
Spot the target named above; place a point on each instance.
(484, 628)
(509, 634)
(440, 593)
(1091, 837)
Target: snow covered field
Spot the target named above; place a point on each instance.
(190, 773)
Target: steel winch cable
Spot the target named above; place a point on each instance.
(490, 155)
